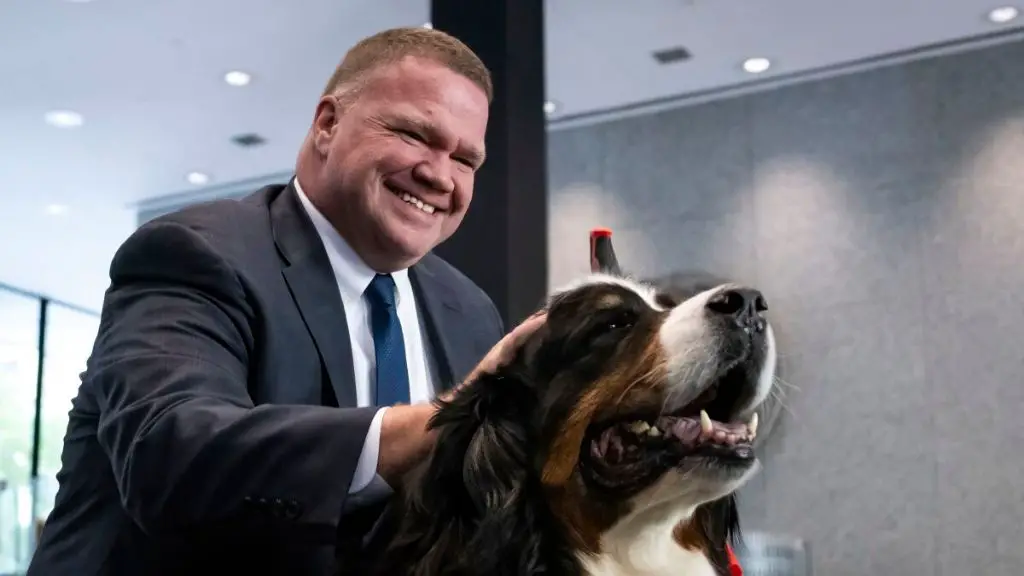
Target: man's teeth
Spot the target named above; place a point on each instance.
(417, 202)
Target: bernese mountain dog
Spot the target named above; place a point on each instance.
(612, 445)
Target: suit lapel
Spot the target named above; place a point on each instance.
(310, 278)
(451, 336)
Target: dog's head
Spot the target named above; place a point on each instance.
(634, 387)
(631, 399)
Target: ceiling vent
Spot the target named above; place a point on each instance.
(248, 140)
(672, 55)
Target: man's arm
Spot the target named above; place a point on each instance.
(188, 448)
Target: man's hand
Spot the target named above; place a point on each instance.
(404, 438)
(505, 350)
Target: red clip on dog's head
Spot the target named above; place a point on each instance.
(602, 254)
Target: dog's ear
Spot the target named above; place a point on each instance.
(483, 441)
(472, 511)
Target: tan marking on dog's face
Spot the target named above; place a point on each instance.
(609, 301)
(638, 383)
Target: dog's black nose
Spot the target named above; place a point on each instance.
(744, 305)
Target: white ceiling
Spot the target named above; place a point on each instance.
(148, 79)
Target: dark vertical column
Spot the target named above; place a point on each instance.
(37, 422)
(502, 244)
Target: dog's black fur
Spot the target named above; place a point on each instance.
(477, 507)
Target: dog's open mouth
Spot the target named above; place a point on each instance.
(628, 451)
(677, 436)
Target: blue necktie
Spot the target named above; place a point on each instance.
(388, 344)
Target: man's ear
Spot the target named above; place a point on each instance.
(325, 121)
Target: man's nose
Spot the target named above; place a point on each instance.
(436, 175)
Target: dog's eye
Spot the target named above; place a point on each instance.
(619, 321)
(617, 324)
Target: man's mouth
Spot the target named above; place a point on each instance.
(413, 200)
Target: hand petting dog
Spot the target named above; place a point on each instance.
(406, 437)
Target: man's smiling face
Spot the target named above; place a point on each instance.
(400, 159)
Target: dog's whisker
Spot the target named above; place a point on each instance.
(780, 399)
(781, 382)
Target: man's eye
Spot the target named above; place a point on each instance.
(412, 135)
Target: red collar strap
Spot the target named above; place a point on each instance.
(734, 564)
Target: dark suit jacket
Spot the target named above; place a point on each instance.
(206, 437)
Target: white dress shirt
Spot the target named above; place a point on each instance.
(353, 277)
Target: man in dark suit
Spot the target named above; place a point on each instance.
(263, 370)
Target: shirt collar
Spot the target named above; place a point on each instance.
(351, 272)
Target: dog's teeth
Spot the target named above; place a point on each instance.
(705, 422)
(653, 432)
(752, 425)
(639, 427)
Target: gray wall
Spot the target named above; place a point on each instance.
(883, 214)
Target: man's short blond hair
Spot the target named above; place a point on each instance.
(391, 46)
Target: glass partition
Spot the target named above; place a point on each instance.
(19, 363)
(44, 346)
(68, 341)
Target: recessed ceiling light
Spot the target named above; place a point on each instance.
(1003, 14)
(64, 118)
(428, 26)
(550, 107)
(672, 55)
(756, 65)
(237, 78)
(56, 209)
(197, 178)
(248, 140)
